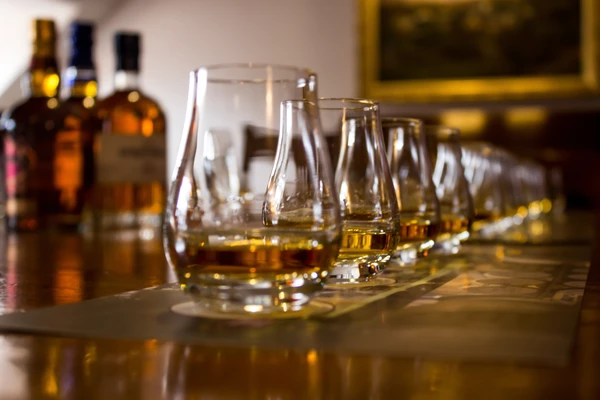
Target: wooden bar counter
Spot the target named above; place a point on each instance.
(42, 270)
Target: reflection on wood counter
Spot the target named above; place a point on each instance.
(40, 270)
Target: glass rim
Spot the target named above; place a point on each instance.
(444, 129)
(253, 66)
(478, 145)
(367, 104)
(298, 101)
(387, 121)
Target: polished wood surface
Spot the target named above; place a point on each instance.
(40, 270)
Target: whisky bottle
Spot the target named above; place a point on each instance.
(73, 161)
(130, 149)
(29, 130)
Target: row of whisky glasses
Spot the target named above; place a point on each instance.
(507, 190)
(272, 198)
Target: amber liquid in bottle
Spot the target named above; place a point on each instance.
(130, 150)
(73, 162)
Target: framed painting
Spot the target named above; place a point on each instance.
(444, 50)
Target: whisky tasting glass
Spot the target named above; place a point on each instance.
(537, 194)
(452, 188)
(510, 188)
(527, 201)
(366, 193)
(412, 177)
(514, 192)
(484, 173)
(252, 224)
(558, 201)
(534, 202)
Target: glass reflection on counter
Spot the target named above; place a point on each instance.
(43, 270)
(74, 368)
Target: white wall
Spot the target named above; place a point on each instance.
(180, 35)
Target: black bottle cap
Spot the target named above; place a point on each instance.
(81, 45)
(127, 48)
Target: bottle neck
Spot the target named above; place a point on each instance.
(127, 80)
(42, 78)
(81, 84)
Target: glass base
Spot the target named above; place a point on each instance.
(355, 273)
(377, 281)
(206, 310)
(256, 296)
(409, 254)
(447, 247)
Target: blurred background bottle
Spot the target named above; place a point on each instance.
(73, 161)
(130, 149)
(29, 131)
(48, 145)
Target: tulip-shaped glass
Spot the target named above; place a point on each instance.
(366, 193)
(252, 222)
(417, 201)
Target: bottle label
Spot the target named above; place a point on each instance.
(19, 161)
(68, 167)
(131, 159)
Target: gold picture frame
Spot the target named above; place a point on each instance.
(585, 82)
